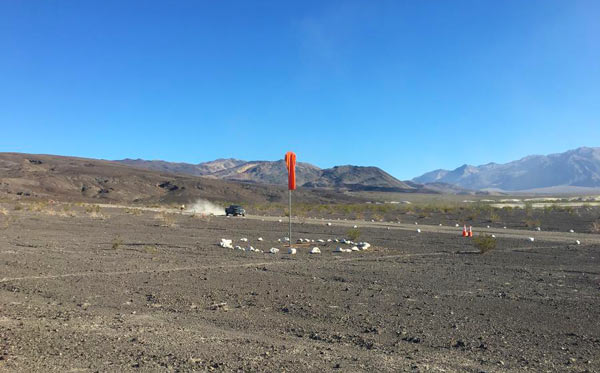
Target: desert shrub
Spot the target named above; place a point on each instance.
(133, 211)
(528, 209)
(353, 234)
(493, 217)
(166, 219)
(90, 209)
(116, 243)
(18, 207)
(595, 228)
(38, 206)
(531, 223)
(484, 243)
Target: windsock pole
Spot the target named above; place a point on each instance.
(290, 163)
(290, 217)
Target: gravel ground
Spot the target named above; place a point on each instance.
(140, 292)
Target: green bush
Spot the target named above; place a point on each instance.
(484, 243)
(353, 234)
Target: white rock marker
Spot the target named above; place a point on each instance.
(292, 251)
(273, 250)
(538, 229)
(354, 248)
(531, 239)
(356, 226)
(493, 236)
(315, 250)
(250, 248)
(320, 240)
(280, 220)
(577, 242)
(239, 248)
(339, 250)
(260, 238)
(329, 224)
(456, 225)
(418, 230)
(226, 243)
(571, 231)
(244, 239)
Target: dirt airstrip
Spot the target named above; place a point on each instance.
(127, 290)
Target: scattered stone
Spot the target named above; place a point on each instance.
(418, 230)
(273, 250)
(315, 250)
(531, 239)
(260, 238)
(292, 251)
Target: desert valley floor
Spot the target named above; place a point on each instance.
(131, 291)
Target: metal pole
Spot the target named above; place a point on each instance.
(290, 216)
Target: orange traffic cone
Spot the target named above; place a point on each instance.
(464, 234)
(470, 231)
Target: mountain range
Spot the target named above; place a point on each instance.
(576, 170)
(347, 177)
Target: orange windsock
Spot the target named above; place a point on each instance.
(470, 231)
(290, 163)
(464, 232)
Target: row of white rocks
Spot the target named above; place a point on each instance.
(228, 244)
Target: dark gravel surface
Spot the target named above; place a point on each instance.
(126, 293)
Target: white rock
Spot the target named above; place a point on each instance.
(538, 229)
(292, 251)
(571, 231)
(416, 223)
(321, 240)
(364, 245)
(356, 226)
(456, 225)
(244, 239)
(280, 220)
(273, 250)
(441, 225)
(226, 243)
(250, 248)
(354, 248)
(418, 230)
(388, 228)
(531, 239)
(488, 226)
(493, 236)
(300, 240)
(260, 238)
(239, 248)
(286, 239)
(336, 240)
(577, 242)
(339, 250)
(504, 227)
(329, 224)
(329, 240)
(315, 250)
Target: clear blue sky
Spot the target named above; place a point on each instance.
(408, 86)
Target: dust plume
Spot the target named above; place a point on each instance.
(205, 207)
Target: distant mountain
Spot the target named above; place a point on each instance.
(93, 180)
(358, 178)
(275, 173)
(200, 169)
(573, 170)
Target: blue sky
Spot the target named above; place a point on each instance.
(408, 86)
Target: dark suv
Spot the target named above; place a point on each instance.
(235, 210)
